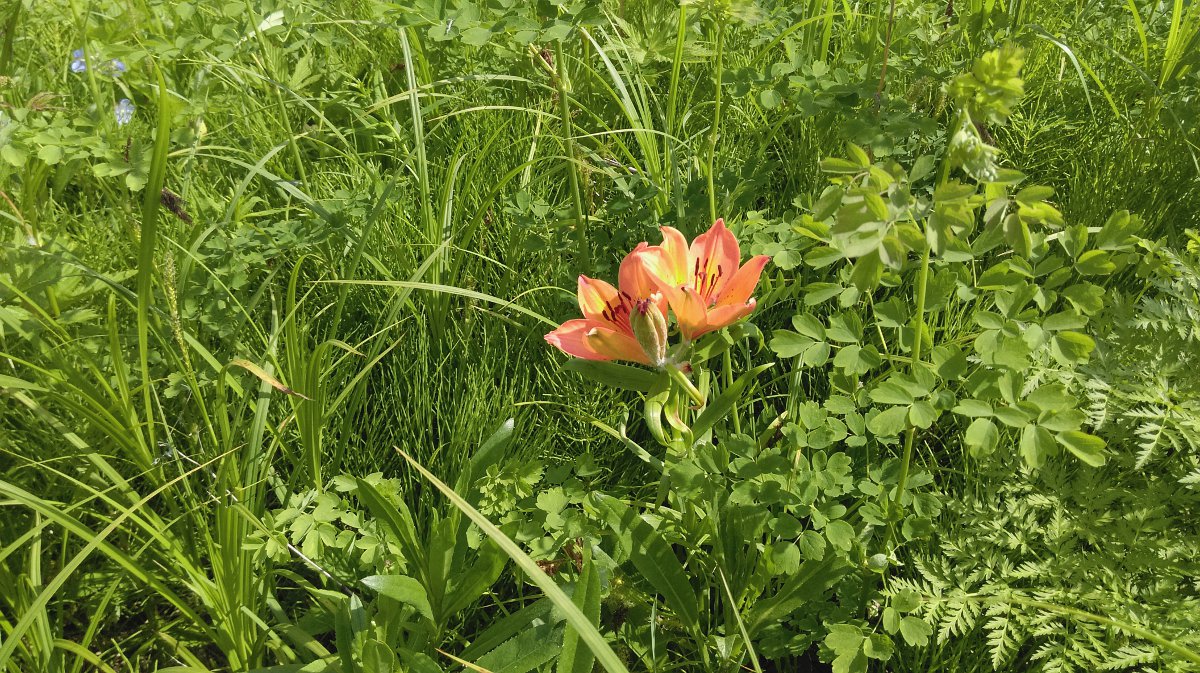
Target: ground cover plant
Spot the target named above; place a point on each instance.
(582, 335)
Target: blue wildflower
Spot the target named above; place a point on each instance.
(78, 64)
(118, 67)
(124, 112)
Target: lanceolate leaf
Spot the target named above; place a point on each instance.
(718, 408)
(653, 558)
(615, 375)
(576, 659)
(575, 617)
(403, 589)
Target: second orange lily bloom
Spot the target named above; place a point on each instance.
(705, 283)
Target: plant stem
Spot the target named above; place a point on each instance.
(716, 124)
(727, 365)
(688, 387)
(887, 51)
(918, 327)
(564, 111)
(672, 102)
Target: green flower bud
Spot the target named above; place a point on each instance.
(650, 330)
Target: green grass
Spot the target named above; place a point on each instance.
(375, 210)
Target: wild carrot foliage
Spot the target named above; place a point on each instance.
(875, 323)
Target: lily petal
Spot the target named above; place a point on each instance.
(722, 316)
(592, 340)
(601, 303)
(637, 281)
(690, 312)
(739, 288)
(614, 345)
(673, 257)
(714, 256)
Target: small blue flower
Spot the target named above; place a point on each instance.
(124, 112)
(117, 67)
(78, 64)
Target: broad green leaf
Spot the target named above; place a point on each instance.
(527, 651)
(844, 639)
(891, 392)
(809, 326)
(1115, 233)
(972, 408)
(476, 36)
(878, 646)
(1072, 347)
(922, 414)
(906, 600)
(489, 454)
(891, 620)
(14, 155)
(783, 557)
(1037, 444)
(850, 663)
(503, 629)
(1064, 320)
(1034, 193)
(1011, 416)
(401, 588)
(819, 293)
(922, 168)
(996, 349)
(915, 631)
(816, 355)
(788, 344)
(856, 359)
(812, 545)
(653, 558)
(838, 166)
(1085, 297)
(1051, 397)
(949, 361)
(397, 519)
(1088, 448)
(890, 422)
(981, 437)
(615, 375)
(867, 271)
(845, 328)
(840, 534)
(1095, 263)
(990, 320)
(1061, 421)
(809, 584)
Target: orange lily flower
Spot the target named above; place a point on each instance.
(703, 282)
(605, 332)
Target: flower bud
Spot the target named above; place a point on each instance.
(650, 330)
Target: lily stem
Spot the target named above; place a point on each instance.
(688, 387)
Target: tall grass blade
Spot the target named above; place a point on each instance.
(574, 616)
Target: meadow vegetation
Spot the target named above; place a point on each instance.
(277, 395)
